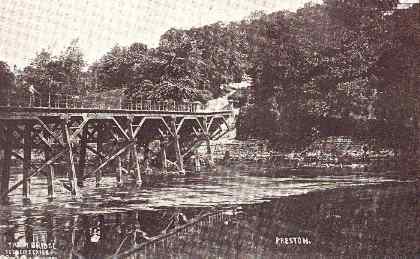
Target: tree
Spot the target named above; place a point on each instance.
(397, 80)
(392, 34)
(6, 83)
(38, 75)
(307, 68)
(48, 74)
(68, 68)
(279, 77)
(121, 67)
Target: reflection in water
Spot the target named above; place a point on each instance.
(349, 213)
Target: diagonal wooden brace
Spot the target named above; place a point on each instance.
(33, 173)
(109, 159)
(120, 128)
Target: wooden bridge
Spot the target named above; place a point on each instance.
(64, 129)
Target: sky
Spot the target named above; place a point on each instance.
(28, 26)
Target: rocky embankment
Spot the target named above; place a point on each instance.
(331, 152)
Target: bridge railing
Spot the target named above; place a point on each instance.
(97, 102)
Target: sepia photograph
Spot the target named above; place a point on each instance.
(209, 129)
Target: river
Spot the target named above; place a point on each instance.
(337, 212)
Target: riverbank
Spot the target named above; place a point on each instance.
(325, 153)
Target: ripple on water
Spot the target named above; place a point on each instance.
(207, 189)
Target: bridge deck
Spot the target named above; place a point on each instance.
(18, 112)
(113, 135)
(65, 128)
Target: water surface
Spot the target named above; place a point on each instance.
(96, 223)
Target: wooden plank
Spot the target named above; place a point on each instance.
(91, 149)
(27, 150)
(7, 158)
(119, 173)
(199, 124)
(50, 175)
(179, 159)
(109, 159)
(195, 146)
(70, 158)
(161, 132)
(139, 127)
(221, 134)
(163, 158)
(44, 140)
(207, 126)
(135, 156)
(225, 122)
(171, 131)
(207, 139)
(16, 155)
(178, 128)
(196, 133)
(79, 129)
(99, 148)
(196, 161)
(120, 128)
(82, 157)
(46, 128)
(216, 132)
(33, 173)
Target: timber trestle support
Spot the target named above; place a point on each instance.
(70, 145)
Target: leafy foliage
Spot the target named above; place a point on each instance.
(322, 63)
(309, 69)
(6, 82)
(55, 74)
(192, 64)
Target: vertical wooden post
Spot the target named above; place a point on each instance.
(119, 172)
(72, 173)
(196, 161)
(27, 150)
(127, 161)
(82, 158)
(7, 158)
(51, 225)
(209, 151)
(179, 158)
(29, 230)
(163, 144)
(99, 148)
(73, 235)
(146, 155)
(208, 146)
(135, 157)
(50, 175)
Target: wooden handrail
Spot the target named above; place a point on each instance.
(75, 102)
